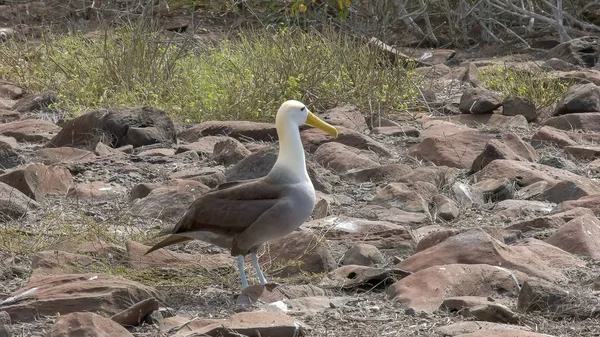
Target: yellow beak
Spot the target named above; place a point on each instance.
(316, 122)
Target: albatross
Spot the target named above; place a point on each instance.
(242, 215)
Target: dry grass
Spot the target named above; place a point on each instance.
(244, 77)
(539, 87)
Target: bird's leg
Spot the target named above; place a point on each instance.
(242, 272)
(261, 276)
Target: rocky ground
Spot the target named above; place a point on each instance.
(477, 217)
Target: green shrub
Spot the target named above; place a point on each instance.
(242, 78)
(538, 86)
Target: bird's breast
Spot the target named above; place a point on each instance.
(304, 200)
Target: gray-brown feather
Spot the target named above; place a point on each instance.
(222, 213)
(230, 211)
(170, 240)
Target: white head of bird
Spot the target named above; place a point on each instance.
(290, 116)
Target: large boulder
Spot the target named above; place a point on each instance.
(13, 203)
(583, 51)
(386, 236)
(38, 180)
(580, 98)
(296, 253)
(533, 258)
(513, 106)
(457, 150)
(313, 138)
(511, 147)
(526, 173)
(579, 236)
(168, 202)
(257, 323)
(30, 130)
(410, 197)
(35, 102)
(379, 174)
(87, 324)
(546, 297)
(478, 101)
(64, 155)
(342, 158)
(9, 158)
(116, 127)
(240, 130)
(584, 121)
(426, 289)
(468, 121)
(348, 116)
(73, 293)
(463, 148)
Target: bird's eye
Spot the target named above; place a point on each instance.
(303, 108)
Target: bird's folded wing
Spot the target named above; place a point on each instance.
(231, 210)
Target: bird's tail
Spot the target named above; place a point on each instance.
(170, 240)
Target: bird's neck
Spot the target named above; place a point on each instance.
(291, 152)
